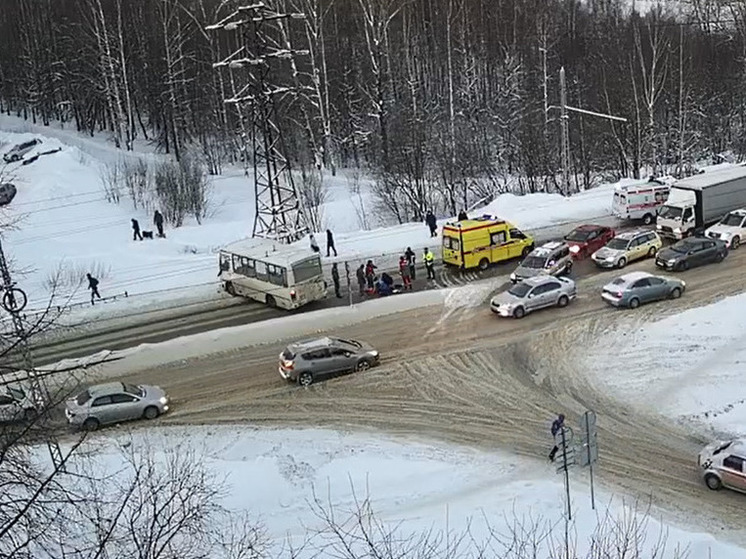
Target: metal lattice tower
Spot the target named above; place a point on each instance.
(256, 63)
(39, 389)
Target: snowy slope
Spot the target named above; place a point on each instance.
(413, 486)
(688, 366)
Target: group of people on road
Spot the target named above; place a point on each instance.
(139, 235)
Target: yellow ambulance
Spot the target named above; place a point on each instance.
(477, 243)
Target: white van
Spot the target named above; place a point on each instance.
(641, 200)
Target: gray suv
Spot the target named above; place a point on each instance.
(304, 362)
(550, 259)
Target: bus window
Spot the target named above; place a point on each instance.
(236, 263)
(306, 270)
(261, 271)
(277, 275)
(247, 267)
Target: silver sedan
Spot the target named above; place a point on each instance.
(115, 402)
(533, 294)
(635, 288)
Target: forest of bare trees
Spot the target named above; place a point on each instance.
(440, 100)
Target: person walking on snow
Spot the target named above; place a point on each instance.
(330, 243)
(360, 273)
(409, 255)
(404, 271)
(136, 236)
(370, 273)
(429, 263)
(557, 426)
(432, 223)
(158, 221)
(314, 244)
(335, 279)
(93, 286)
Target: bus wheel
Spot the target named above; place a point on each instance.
(229, 289)
(271, 302)
(484, 264)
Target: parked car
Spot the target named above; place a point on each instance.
(587, 239)
(306, 361)
(16, 405)
(626, 247)
(8, 191)
(723, 464)
(549, 259)
(18, 151)
(635, 288)
(731, 229)
(691, 252)
(533, 294)
(115, 402)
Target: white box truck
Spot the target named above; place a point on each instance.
(697, 202)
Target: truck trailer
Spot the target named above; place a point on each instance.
(697, 202)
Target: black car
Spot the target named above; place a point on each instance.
(691, 252)
(8, 191)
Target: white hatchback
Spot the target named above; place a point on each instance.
(724, 465)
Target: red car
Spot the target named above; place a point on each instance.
(587, 239)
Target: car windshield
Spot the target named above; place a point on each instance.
(619, 281)
(16, 393)
(618, 244)
(681, 247)
(733, 220)
(520, 290)
(579, 235)
(722, 447)
(83, 397)
(533, 262)
(132, 389)
(352, 343)
(671, 212)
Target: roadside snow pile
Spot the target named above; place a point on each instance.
(688, 366)
(288, 479)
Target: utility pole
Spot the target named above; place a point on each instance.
(14, 300)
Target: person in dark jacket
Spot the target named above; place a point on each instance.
(330, 243)
(370, 273)
(93, 286)
(158, 221)
(432, 223)
(462, 215)
(409, 255)
(361, 281)
(557, 426)
(335, 279)
(136, 236)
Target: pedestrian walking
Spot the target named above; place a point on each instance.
(404, 271)
(314, 244)
(335, 279)
(462, 215)
(330, 243)
(136, 235)
(432, 223)
(93, 286)
(158, 222)
(429, 263)
(409, 254)
(557, 426)
(361, 281)
(370, 273)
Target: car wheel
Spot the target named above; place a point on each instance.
(526, 251)
(363, 365)
(735, 243)
(719, 257)
(621, 263)
(652, 251)
(563, 301)
(634, 303)
(519, 312)
(713, 482)
(305, 379)
(568, 268)
(271, 303)
(151, 412)
(91, 424)
(484, 264)
(230, 289)
(647, 219)
(675, 293)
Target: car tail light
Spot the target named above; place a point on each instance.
(292, 294)
(288, 365)
(618, 294)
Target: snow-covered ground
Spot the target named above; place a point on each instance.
(688, 366)
(414, 487)
(62, 220)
